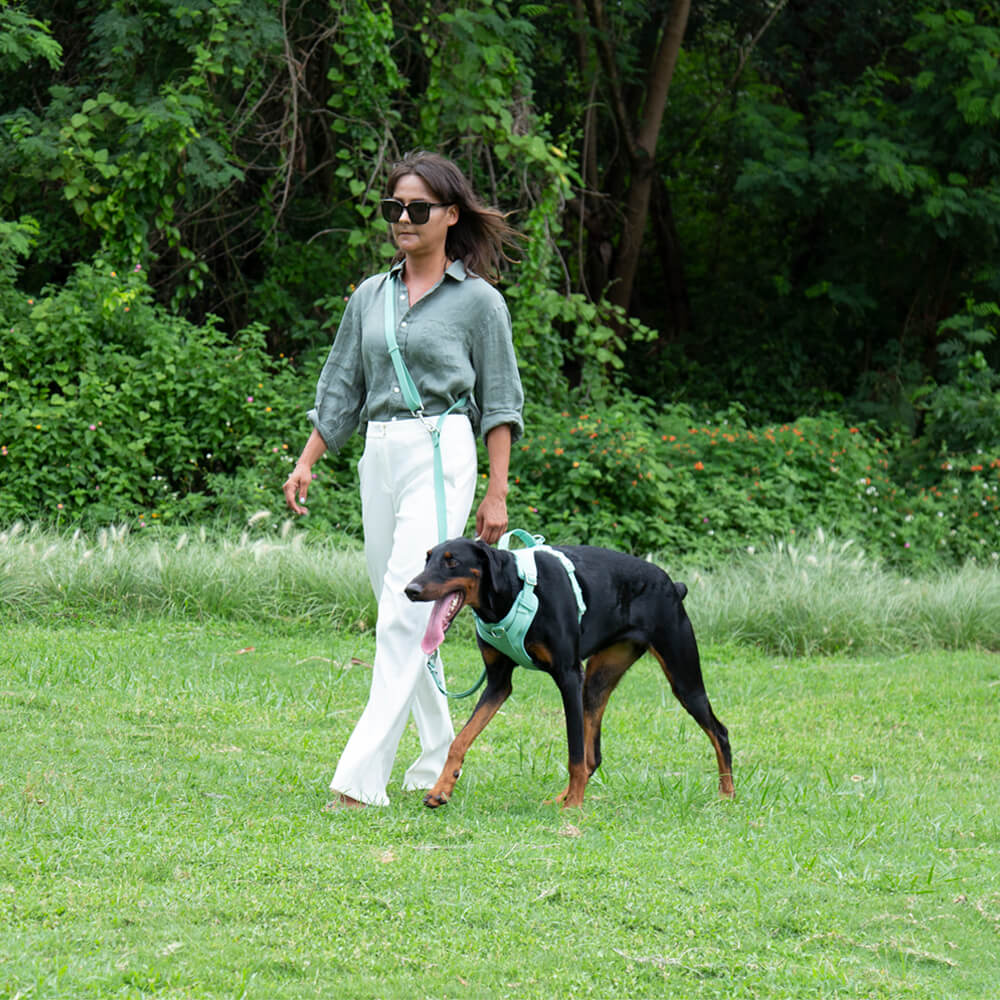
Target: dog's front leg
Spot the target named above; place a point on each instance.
(498, 688)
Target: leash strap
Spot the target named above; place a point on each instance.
(407, 386)
(411, 396)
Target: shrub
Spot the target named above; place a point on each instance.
(702, 489)
(112, 409)
(596, 476)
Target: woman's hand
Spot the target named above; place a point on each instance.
(491, 519)
(296, 487)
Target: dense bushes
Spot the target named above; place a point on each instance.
(114, 410)
(669, 481)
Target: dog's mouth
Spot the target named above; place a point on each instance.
(442, 615)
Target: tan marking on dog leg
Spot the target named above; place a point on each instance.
(604, 670)
(578, 776)
(445, 784)
(726, 789)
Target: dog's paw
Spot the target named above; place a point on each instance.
(433, 801)
(557, 800)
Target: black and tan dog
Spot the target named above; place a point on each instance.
(631, 606)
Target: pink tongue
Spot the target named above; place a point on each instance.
(434, 635)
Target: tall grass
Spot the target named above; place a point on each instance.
(815, 596)
(268, 577)
(824, 595)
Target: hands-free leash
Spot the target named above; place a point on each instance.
(414, 403)
(411, 397)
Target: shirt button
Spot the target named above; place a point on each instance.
(403, 323)
(395, 388)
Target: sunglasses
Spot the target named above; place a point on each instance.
(418, 211)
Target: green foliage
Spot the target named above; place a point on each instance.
(962, 411)
(113, 409)
(596, 476)
(25, 40)
(626, 476)
(16, 241)
(829, 200)
(867, 188)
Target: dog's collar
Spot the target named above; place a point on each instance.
(508, 634)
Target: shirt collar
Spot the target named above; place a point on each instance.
(456, 269)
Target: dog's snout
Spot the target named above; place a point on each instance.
(413, 590)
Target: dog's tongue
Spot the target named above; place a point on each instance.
(434, 635)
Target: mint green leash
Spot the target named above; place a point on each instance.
(414, 403)
(411, 397)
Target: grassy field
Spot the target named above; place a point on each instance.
(161, 833)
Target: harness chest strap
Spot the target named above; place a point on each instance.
(508, 634)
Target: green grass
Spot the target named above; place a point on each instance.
(161, 833)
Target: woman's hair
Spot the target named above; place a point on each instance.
(482, 235)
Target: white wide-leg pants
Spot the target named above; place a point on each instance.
(400, 524)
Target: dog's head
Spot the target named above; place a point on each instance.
(457, 573)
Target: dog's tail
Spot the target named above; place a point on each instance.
(681, 589)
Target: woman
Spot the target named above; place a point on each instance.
(454, 334)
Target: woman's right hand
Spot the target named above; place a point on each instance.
(296, 487)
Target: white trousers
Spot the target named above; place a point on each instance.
(400, 524)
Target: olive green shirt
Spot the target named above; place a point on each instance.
(456, 341)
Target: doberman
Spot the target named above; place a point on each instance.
(631, 606)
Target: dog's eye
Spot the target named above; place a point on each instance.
(450, 561)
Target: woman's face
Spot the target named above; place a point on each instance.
(429, 238)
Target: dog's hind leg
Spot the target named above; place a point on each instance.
(604, 670)
(498, 687)
(677, 653)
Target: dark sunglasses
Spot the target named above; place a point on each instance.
(418, 211)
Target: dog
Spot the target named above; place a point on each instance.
(631, 606)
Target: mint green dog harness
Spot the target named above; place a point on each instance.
(508, 635)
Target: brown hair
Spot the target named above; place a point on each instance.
(482, 235)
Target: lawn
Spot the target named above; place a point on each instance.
(161, 832)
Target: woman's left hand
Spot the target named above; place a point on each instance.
(491, 519)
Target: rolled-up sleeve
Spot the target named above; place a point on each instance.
(340, 392)
(499, 394)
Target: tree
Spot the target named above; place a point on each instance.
(640, 138)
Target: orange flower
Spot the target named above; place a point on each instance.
(699, 466)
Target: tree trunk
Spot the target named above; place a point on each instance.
(643, 152)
